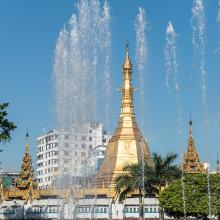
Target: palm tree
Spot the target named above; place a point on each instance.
(130, 181)
(155, 179)
(164, 172)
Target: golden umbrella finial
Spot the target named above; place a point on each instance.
(127, 63)
(190, 126)
(27, 146)
(127, 46)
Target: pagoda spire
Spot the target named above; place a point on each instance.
(190, 127)
(127, 107)
(127, 145)
(27, 145)
(191, 161)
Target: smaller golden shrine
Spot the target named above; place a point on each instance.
(191, 161)
(26, 174)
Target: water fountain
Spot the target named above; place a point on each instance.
(141, 60)
(198, 41)
(171, 76)
(79, 64)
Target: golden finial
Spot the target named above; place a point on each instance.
(127, 47)
(127, 63)
(27, 147)
(190, 126)
(127, 89)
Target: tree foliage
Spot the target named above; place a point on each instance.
(130, 181)
(164, 171)
(156, 177)
(6, 126)
(196, 196)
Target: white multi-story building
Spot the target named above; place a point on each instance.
(77, 154)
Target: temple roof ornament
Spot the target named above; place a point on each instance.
(127, 64)
(27, 146)
(191, 161)
(26, 174)
(127, 143)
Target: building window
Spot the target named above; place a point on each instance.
(90, 131)
(146, 210)
(90, 138)
(83, 138)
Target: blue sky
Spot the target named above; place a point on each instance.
(29, 30)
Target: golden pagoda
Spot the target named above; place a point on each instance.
(191, 161)
(26, 174)
(127, 145)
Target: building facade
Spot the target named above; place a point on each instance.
(8, 179)
(75, 154)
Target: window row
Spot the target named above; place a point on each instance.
(47, 170)
(96, 209)
(135, 209)
(47, 147)
(45, 179)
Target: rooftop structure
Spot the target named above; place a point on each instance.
(191, 161)
(8, 179)
(26, 175)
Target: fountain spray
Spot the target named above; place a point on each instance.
(141, 59)
(172, 77)
(79, 64)
(198, 41)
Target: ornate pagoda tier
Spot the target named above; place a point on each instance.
(25, 179)
(127, 144)
(191, 161)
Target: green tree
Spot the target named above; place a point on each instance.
(196, 196)
(155, 178)
(164, 172)
(6, 126)
(130, 181)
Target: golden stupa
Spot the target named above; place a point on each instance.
(127, 145)
(191, 161)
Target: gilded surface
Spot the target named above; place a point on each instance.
(26, 174)
(191, 161)
(127, 143)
